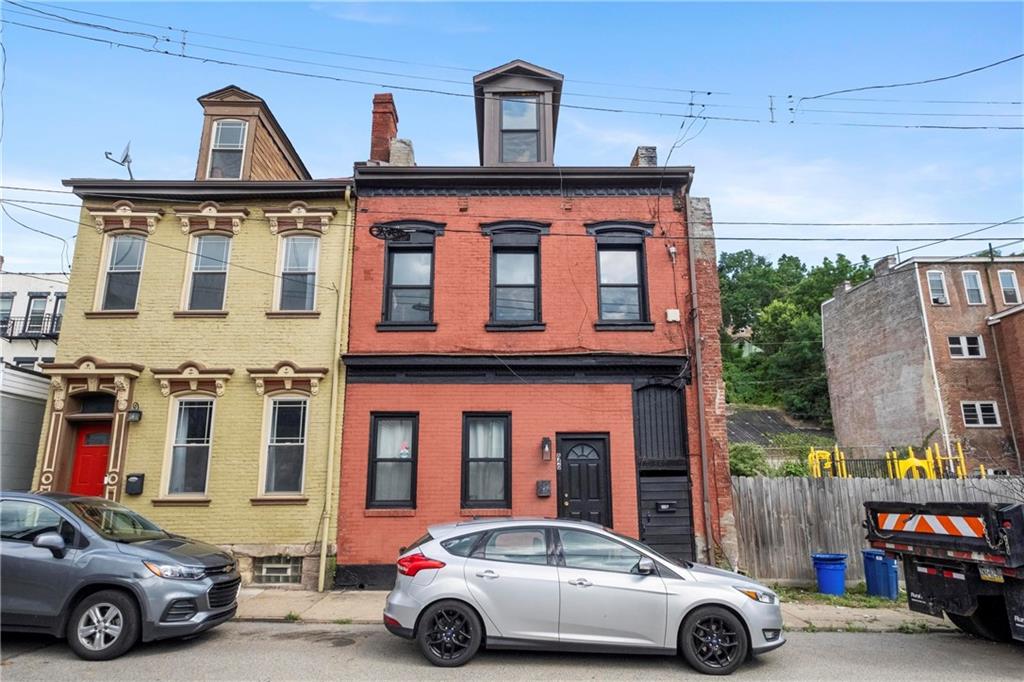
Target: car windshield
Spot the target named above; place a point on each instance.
(648, 550)
(115, 522)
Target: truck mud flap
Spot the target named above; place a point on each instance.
(1015, 608)
(932, 589)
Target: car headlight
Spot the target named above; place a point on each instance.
(757, 595)
(175, 571)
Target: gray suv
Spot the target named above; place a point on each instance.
(105, 577)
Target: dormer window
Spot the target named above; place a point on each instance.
(227, 150)
(520, 129)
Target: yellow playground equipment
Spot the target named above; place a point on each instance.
(930, 465)
(827, 463)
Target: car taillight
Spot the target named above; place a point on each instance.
(414, 563)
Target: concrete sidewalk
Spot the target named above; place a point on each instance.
(255, 603)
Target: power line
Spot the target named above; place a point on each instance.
(65, 247)
(43, 279)
(17, 203)
(919, 82)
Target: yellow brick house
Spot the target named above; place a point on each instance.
(198, 376)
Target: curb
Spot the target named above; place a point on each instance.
(304, 621)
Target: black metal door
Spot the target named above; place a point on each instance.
(583, 492)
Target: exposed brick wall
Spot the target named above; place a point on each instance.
(1009, 335)
(364, 537)
(384, 127)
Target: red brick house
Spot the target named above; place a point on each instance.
(529, 339)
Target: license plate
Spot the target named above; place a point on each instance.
(993, 575)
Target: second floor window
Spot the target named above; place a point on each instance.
(972, 287)
(58, 312)
(35, 315)
(209, 273)
(1008, 283)
(937, 288)
(410, 293)
(516, 294)
(227, 149)
(620, 288)
(5, 308)
(298, 276)
(190, 452)
(520, 130)
(124, 268)
(980, 413)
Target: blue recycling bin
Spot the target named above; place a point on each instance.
(831, 572)
(880, 574)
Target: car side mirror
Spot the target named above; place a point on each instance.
(645, 566)
(53, 542)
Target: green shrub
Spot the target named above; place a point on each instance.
(797, 445)
(747, 459)
(793, 467)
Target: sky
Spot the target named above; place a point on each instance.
(66, 101)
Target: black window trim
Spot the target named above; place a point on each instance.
(371, 473)
(422, 236)
(623, 235)
(516, 236)
(505, 503)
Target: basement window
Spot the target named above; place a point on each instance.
(277, 570)
(966, 347)
(980, 413)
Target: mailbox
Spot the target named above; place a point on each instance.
(133, 484)
(665, 506)
(543, 488)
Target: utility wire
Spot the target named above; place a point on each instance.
(919, 82)
(42, 279)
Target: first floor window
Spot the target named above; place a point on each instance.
(620, 278)
(190, 453)
(286, 445)
(980, 413)
(486, 461)
(209, 272)
(966, 347)
(392, 480)
(124, 267)
(298, 276)
(1008, 283)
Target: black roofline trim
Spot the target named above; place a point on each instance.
(557, 176)
(205, 189)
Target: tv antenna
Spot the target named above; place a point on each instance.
(125, 160)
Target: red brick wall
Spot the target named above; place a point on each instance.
(568, 276)
(1009, 334)
(373, 537)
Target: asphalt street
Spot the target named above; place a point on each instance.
(295, 651)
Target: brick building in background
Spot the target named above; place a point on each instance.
(912, 355)
(527, 339)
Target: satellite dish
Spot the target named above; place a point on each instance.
(125, 159)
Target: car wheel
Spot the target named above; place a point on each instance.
(103, 626)
(449, 634)
(713, 641)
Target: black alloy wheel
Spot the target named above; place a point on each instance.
(449, 634)
(714, 641)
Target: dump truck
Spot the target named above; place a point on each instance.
(964, 559)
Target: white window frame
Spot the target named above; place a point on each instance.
(1016, 286)
(945, 289)
(981, 287)
(41, 315)
(268, 414)
(104, 271)
(281, 247)
(186, 301)
(213, 146)
(977, 406)
(963, 346)
(172, 428)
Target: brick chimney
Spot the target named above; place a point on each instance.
(645, 157)
(385, 127)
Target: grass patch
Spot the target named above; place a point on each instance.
(343, 621)
(292, 617)
(913, 627)
(855, 597)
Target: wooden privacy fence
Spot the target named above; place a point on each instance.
(782, 521)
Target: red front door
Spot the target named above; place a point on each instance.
(92, 445)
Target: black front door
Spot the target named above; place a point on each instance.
(583, 492)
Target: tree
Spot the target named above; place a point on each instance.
(750, 282)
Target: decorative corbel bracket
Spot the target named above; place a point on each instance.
(298, 217)
(122, 217)
(210, 216)
(287, 376)
(192, 376)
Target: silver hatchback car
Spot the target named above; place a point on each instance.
(572, 586)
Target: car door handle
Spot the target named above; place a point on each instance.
(580, 582)
(487, 575)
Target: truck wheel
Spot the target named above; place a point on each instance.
(990, 619)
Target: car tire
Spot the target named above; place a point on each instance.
(103, 626)
(713, 640)
(449, 633)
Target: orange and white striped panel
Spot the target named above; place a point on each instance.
(935, 524)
